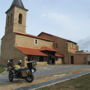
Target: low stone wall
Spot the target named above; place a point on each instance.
(42, 63)
(59, 61)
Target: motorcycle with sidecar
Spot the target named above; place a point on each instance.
(22, 73)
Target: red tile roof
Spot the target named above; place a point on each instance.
(31, 51)
(58, 55)
(51, 49)
(29, 35)
(47, 49)
(36, 52)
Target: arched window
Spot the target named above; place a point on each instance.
(20, 19)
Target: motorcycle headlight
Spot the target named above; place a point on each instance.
(33, 70)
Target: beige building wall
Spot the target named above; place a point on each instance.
(65, 47)
(12, 24)
(9, 22)
(29, 42)
(59, 61)
(10, 40)
(8, 49)
(59, 43)
(71, 47)
(21, 28)
(81, 58)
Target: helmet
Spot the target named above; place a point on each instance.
(19, 62)
(8, 61)
(11, 60)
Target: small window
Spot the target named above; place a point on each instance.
(20, 19)
(11, 19)
(7, 20)
(55, 45)
(35, 41)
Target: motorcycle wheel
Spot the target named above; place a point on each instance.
(29, 78)
(11, 76)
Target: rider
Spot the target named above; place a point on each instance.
(10, 64)
(18, 66)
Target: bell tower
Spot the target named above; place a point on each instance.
(16, 18)
(15, 23)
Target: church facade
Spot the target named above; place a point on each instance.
(17, 44)
(44, 48)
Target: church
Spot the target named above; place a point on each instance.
(17, 44)
(43, 48)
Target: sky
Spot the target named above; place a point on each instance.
(69, 19)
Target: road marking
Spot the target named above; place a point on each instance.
(60, 75)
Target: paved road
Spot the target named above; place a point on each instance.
(43, 71)
(62, 68)
(52, 82)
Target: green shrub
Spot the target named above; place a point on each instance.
(2, 68)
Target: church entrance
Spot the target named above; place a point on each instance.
(72, 59)
(51, 58)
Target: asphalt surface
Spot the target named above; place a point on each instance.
(44, 71)
(51, 82)
(49, 70)
(53, 69)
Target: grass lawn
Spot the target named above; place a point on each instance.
(81, 83)
(2, 69)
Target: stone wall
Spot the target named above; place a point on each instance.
(59, 43)
(71, 47)
(8, 50)
(12, 24)
(21, 28)
(29, 42)
(64, 47)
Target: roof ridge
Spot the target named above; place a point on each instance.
(30, 35)
(56, 36)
